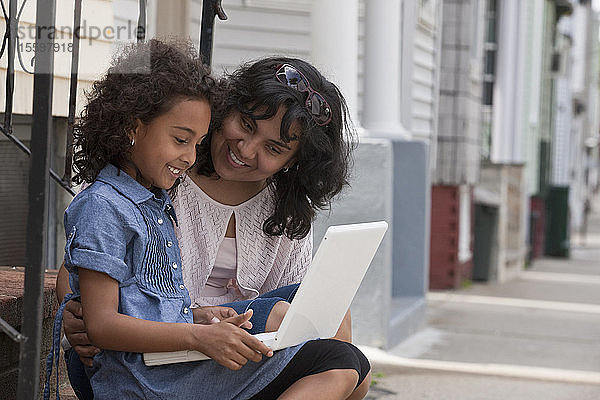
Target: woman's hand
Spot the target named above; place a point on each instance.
(229, 345)
(76, 333)
(214, 314)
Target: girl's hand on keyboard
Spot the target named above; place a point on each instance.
(229, 345)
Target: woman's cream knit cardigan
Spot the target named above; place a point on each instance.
(264, 262)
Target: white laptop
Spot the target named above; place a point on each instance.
(324, 295)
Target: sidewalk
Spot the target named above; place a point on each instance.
(535, 337)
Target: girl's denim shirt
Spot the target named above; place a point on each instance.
(119, 227)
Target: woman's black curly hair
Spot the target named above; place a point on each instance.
(144, 81)
(323, 160)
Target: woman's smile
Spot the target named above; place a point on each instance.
(236, 162)
(251, 150)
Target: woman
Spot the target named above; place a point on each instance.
(278, 153)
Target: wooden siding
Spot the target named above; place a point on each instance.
(255, 31)
(424, 83)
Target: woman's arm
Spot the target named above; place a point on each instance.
(224, 342)
(73, 325)
(62, 283)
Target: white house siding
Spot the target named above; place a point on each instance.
(535, 33)
(577, 188)
(594, 106)
(584, 123)
(263, 29)
(94, 54)
(126, 14)
(425, 74)
(259, 28)
(561, 145)
(546, 85)
(361, 58)
(563, 112)
(423, 111)
(254, 28)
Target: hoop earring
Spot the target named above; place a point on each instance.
(132, 142)
(285, 169)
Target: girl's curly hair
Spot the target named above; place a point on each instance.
(323, 160)
(144, 81)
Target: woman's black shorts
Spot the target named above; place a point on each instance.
(315, 357)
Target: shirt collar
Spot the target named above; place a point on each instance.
(133, 190)
(124, 184)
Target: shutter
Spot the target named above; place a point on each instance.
(14, 179)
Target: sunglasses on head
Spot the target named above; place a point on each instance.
(315, 104)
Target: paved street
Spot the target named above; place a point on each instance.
(534, 337)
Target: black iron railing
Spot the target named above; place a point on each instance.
(41, 130)
(41, 134)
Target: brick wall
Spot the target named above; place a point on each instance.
(445, 270)
(11, 306)
(537, 226)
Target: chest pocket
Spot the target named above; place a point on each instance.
(161, 264)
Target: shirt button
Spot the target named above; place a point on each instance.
(174, 265)
(169, 243)
(185, 310)
(160, 221)
(181, 287)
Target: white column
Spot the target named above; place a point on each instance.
(408, 22)
(334, 46)
(383, 70)
(505, 134)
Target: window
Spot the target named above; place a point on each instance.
(490, 48)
